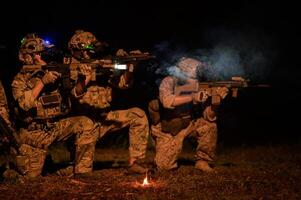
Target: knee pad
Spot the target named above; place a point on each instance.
(30, 161)
(86, 123)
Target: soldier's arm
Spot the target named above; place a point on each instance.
(37, 89)
(80, 88)
(23, 94)
(127, 78)
(183, 99)
(210, 113)
(167, 96)
(82, 80)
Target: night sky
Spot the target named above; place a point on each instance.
(264, 35)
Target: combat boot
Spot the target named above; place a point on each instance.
(12, 176)
(66, 172)
(83, 175)
(203, 166)
(138, 167)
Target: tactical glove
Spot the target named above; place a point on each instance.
(222, 92)
(86, 70)
(50, 77)
(135, 52)
(121, 52)
(200, 96)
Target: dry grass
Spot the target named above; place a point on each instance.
(260, 172)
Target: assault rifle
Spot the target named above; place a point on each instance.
(109, 66)
(133, 58)
(63, 69)
(210, 87)
(99, 66)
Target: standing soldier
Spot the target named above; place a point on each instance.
(98, 97)
(177, 120)
(43, 106)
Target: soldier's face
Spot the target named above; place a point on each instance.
(81, 54)
(38, 59)
(85, 55)
(191, 72)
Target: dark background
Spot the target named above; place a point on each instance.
(258, 116)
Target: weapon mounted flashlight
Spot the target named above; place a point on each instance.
(120, 66)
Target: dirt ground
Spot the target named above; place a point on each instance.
(258, 172)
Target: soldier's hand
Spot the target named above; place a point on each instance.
(199, 97)
(222, 92)
(131, 67)
(86, 70)
(50, 77)
(121, 52)
(135, 52)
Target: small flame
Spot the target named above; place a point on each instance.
(145, 181)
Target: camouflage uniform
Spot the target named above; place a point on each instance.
(42, 127)
(134, 118)
(3, 104)
(98, 95)
(168, 146)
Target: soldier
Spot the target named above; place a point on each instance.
(176, 120)
(83, 46)
(3, 105)
(43, 105)
(3, 113)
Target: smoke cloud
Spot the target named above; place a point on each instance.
(227, 54)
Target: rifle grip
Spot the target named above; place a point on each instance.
(215, 100)
(93, 78)
(234, 92)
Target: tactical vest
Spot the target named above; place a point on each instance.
(174, 120)
(98, 94)
(51, 105)
(178, 118)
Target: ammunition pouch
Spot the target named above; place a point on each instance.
(49, 106)
(175, 125)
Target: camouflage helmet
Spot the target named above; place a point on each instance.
(33, 44)
(189, 66)
(82, 40)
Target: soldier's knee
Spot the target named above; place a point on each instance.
(137, 112)
(85, 122)
(208, 127)
(30, 161)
